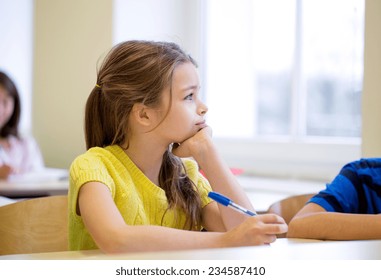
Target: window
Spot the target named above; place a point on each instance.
(283, 83)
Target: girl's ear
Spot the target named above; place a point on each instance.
(142, 114)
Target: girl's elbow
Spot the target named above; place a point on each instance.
(112, 243)
(110, 248)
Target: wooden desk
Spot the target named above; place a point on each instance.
(49, 181)
(282, 249)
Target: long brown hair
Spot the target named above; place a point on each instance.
(11, 127)
(138, 72)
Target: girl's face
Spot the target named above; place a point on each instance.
(6, 106)
(187, 113)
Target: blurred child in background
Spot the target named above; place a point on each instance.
(17, 154)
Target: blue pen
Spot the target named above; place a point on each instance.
(229, 203)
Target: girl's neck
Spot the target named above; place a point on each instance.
(148, 160)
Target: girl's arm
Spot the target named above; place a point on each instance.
(203, 150)
(314, 222)
(112, 235)
(5, 171)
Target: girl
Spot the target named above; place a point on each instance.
(136, 188)
(17, 154)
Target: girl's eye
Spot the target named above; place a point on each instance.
(189, 97)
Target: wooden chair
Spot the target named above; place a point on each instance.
(289, 206)
(34, 226)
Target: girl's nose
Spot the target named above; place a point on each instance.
(203, 109)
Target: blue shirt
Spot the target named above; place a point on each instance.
(356, 189)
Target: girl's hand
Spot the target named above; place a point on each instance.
(257, 230)
(194, 145)
(5, 171)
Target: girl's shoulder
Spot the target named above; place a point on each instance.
(190, 164)
(193, 170)
(96, 158)
(91, 158)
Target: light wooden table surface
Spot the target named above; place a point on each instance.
(282, 249)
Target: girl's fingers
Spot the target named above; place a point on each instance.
(276, 228)
(271, 218)
(272, 224)
(269, 238)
